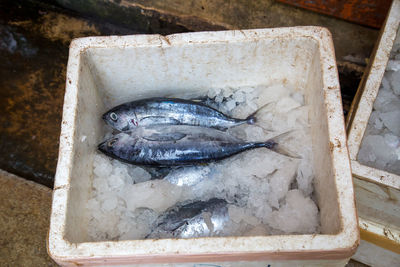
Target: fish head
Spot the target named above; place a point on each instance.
(119, 145)
(108, 146)
(121, 118)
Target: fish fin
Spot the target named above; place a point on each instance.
(164, 137)
(199, 99)
(154, 120)
(157, 173)
(275, 144)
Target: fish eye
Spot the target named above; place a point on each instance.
(112, 142)
(114, 116)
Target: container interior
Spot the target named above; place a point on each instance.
(375, 150)
(114, 75)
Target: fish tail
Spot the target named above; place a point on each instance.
(276, 144)
(252, 118)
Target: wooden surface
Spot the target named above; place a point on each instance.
(365, 12)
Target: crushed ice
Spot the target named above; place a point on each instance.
(267, 193)
(380, 147)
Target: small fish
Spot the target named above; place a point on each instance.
(196, 219)
(178, 145)
(169, 111)
(187, 176)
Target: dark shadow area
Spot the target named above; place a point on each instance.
(34, 41)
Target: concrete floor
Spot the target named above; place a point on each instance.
(24, 220)
(34, 40)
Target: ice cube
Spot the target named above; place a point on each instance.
(109, 203)
(297, 118)
(305, 176)
(272, 93)
(227, 92)
(280, 182)
(93, 204)
(158, 195)
(139, 174)
(395, 80)
(100, 185)
(239, 96)
(378, 124)
(385, 85)
(286, 104)
(393, 65)
(386, 101)
(255, 133)
(259, 230)
(107, 131)
(366, 155)
(213, 92)
(219, 98)
(101, 166)
(115, 182)
(374, 147)
(392, 140)
(298, 215)
(231, 104)
(236, 214)
(397, 152)
(392, 121)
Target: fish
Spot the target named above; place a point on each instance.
(188, 176)
(194, 219)
(169, 111)
(179, 145)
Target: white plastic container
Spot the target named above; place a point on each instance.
(377, 191)
(117, 69)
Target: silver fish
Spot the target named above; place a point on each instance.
(178, 145)
(196, 219)
(169, 111)
(188, 176)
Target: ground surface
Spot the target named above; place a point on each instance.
(24, 220)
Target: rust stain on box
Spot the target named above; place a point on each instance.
(371, 13)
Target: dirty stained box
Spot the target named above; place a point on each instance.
(377, 191)
(116, 69)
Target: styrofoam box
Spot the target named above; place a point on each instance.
(377, 191)
(114, 70)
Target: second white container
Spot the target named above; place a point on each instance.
(377, 191)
